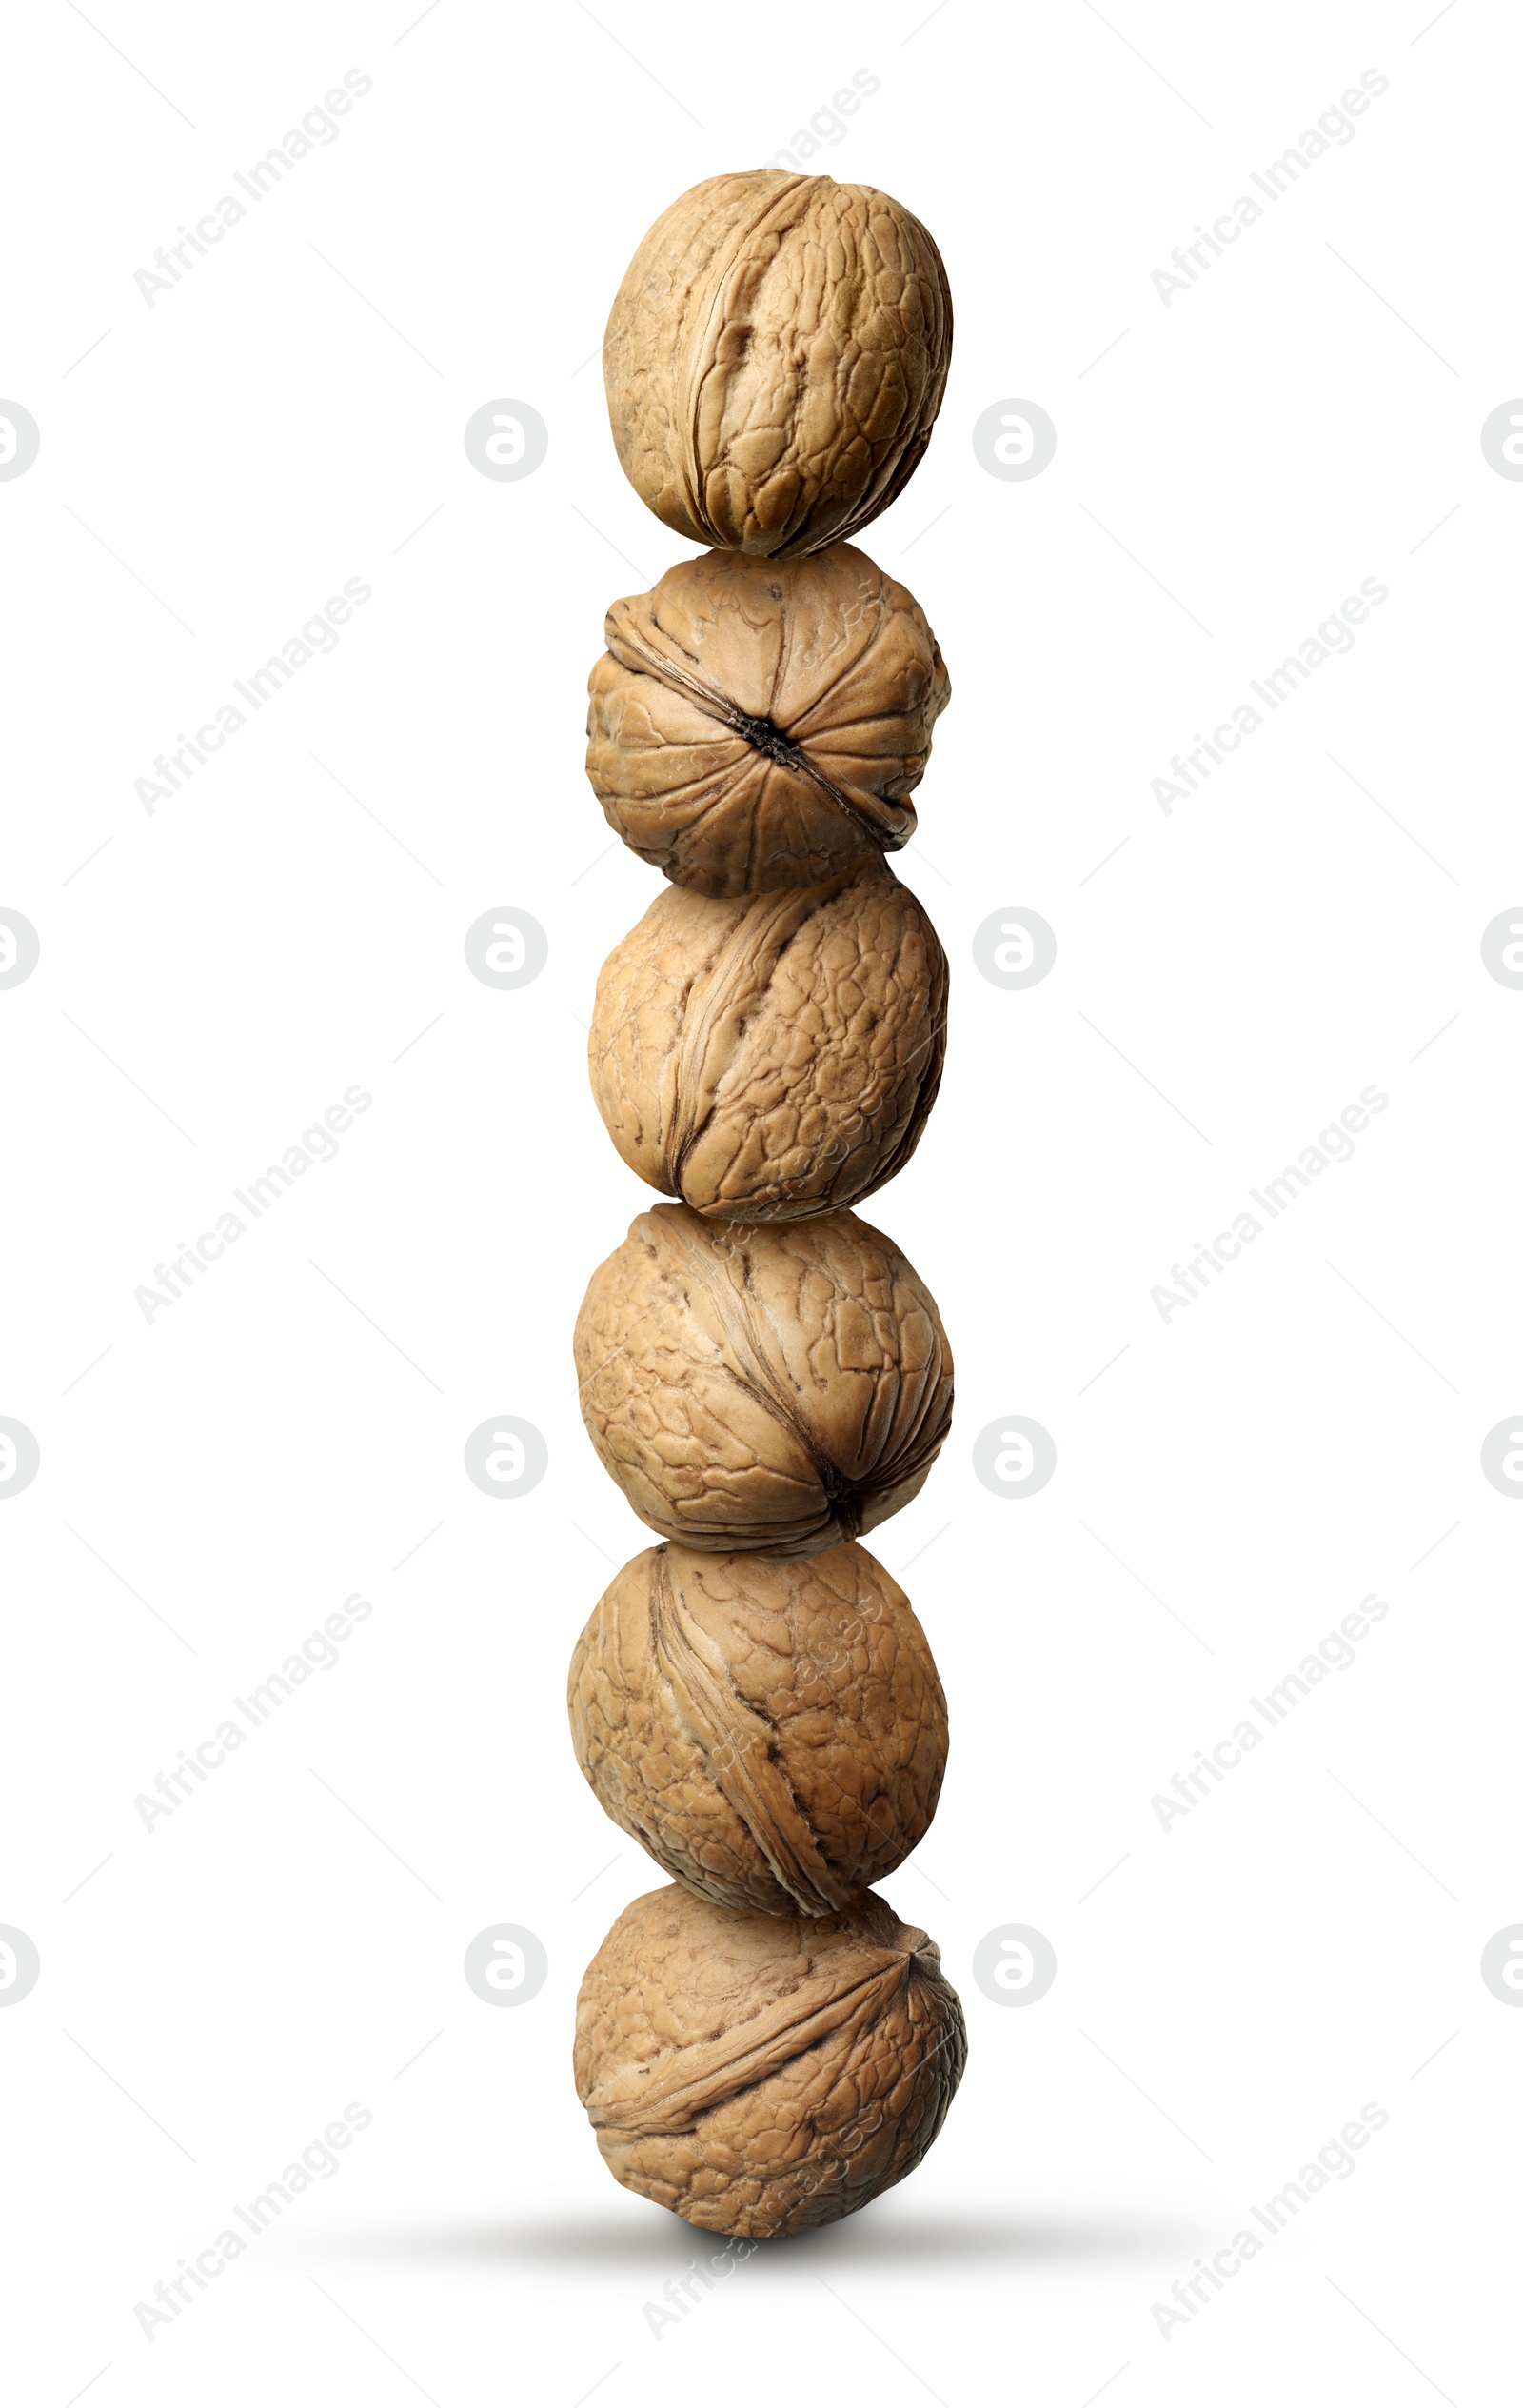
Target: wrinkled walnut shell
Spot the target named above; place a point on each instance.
(774, 1733)
(781, 1387)
(756, 723)
(774, 1057)
(775, 359)
(762, 2076)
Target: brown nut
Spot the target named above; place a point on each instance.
(774, 1057)
(775, 359)
(756, 723)
(760, 2076)
(779, 1387)
(774, 1733)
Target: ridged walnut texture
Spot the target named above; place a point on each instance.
(760, 2076)
(756, 723)
(775, 359)
(774, 1057)
(774, 1733)
(779, 1387)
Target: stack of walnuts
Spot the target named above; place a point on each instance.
(764, 2047)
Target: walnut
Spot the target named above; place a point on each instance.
(779, 1387)
(774, 1057)
(758, 723)
(775, 1734)
(763, 2076)
(775, 359)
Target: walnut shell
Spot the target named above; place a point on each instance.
(775, 359)
(756, 723)
(762, 2076)
(779, 1387)
(774, 1733)
(774, 1057)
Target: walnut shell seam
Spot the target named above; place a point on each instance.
(773, 743)
(736, 1744)
(705, 2077)
(757, 1377)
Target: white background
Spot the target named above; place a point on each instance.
(1230, 1483)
